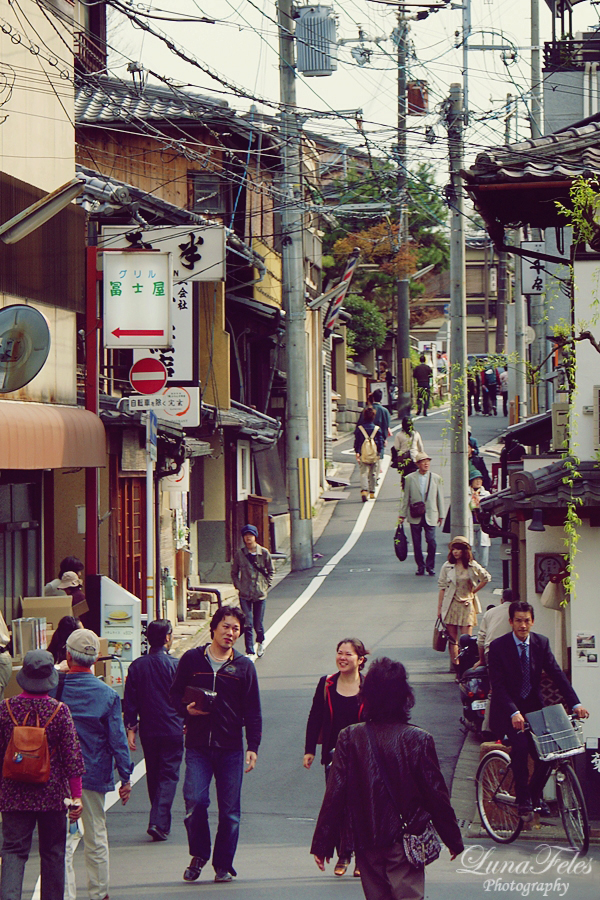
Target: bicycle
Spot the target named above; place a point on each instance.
(495, 789)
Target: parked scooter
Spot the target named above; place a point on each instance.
(474, 684)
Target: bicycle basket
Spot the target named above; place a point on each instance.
(553, 733)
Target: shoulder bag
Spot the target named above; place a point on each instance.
(420, 849)
(440, 636)
(417, 509)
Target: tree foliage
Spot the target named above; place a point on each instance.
(383, 257)
(367, 328)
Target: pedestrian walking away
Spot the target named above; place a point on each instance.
(516, 662)
(252, 574)
(481, 538)
(25, 804)
(368, 447)
(149, 711)
(504, 390)
(96, 711)
(219, 690)
(58, 642)
(422, 505)
(336, 705)
(408, 443)
(460, 580)
(494, 623)
(423, 375)
(386, 780)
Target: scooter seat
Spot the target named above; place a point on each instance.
(477, 672)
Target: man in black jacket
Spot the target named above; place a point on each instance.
(227, 700)
(516, 662)
(147, 706)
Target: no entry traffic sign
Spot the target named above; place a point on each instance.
(148, 375)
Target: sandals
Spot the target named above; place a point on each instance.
(356, 872)
(340, 867)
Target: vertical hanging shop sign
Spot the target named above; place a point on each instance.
(137, 299)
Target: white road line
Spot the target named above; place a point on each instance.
(109, 800)
(317, 582)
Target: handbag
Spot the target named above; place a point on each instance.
(440, 636)
(400, 543)
(417, 509)
(553, 595)
(420, 849)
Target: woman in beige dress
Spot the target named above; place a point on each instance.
(461, 579)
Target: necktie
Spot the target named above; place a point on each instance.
(526, 683)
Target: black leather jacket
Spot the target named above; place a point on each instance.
(355, 790)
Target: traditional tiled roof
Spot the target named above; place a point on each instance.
(105, 100)
(545, 488)
(556, 157)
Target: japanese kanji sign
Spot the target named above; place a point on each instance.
(137, 299)
(173, 404)
(533, 273)
(198, 252)
(178, 359)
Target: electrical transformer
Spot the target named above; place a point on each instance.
(316, 43)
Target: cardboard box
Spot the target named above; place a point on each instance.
(53, 608)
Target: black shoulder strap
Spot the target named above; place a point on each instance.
(383, 772)
(428, 486)
(255, 565)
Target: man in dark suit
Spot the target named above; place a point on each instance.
(516, 662)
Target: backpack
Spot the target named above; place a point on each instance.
(368, 452)
(490, 376)
(27, 756)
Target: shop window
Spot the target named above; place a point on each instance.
(244, 470)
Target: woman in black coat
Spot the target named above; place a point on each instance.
(335, 706)
(413, 787)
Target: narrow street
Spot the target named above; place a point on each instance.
(371, 595)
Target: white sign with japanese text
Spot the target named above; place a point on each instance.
(198, 251)
(533, 274)
(178, 359)
(137, 299)
(173, 404)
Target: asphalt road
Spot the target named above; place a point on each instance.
(371, 595)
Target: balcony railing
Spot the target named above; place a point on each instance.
(90, 53)
(567, 54)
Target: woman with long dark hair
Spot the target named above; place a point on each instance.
(461, 579)
(58, 642)
(336, 705)
(386, 779)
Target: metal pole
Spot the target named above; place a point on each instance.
(298, 448)
(92, 402)
(458, 318)
(466, 33)
(486, 296)
(150, 557)
(520, 349)
(403, 293)
(536, 75)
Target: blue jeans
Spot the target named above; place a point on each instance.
(227, 766)
(254, 610)
(163, 757)
(415, 531)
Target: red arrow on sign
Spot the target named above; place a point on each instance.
(138, 332)
(148, 375)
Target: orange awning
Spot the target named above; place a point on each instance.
(44, 436)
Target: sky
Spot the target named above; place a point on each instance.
(242, 48)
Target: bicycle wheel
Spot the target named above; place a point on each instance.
(573, 811)
(495, 787)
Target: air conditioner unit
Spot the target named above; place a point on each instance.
(316, 42)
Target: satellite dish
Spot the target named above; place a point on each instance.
(24, 346)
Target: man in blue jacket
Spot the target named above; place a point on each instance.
(96, 711)
(147, 706)
(219, 689)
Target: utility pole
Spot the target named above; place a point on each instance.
(292, 226)
(536, 75)
(458, 318)
(403, 292)
(520, 348)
